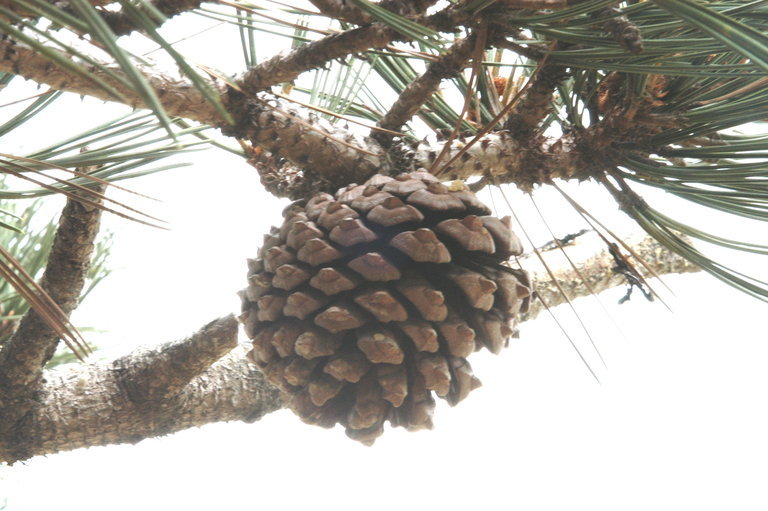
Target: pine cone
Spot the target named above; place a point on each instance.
(363, 305)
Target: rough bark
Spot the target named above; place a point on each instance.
(422, 88)
(23, 357)
(313, 143)
(99, 404)
(284, 68)
(525, 163)
(598, 271)
(154, 392)
(179, 97)
(122, 24)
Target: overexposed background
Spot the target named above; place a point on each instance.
(678, 423)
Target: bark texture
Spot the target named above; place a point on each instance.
(598, 271)
(313, 143)
(23, 357)
(34, 343)
(285, 67)
(421, 89)
(179, 97)
(100, 404)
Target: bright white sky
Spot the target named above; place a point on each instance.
(678, 422)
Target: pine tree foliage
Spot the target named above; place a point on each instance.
(631, 95)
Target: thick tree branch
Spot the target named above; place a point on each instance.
(332, 152)
(98, 404)
(273, 124)
(103, 404)
(24, 355)
(179, 97)
(341, 156)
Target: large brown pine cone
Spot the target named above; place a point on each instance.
(363, 305)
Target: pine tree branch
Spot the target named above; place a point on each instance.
(273, 124)
(284, 68)
(164, 372)
(334, 153)
(179, 97)
(102, 404)
(597, 271)
(287, 131)
(418, 92)
(106, 403)
(24, 356)
(525, 163)
(123, 24)
(536, 102)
